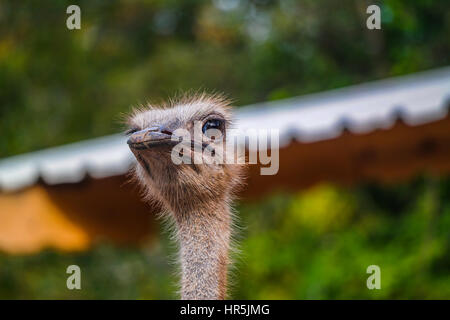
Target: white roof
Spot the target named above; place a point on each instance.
(418, 98)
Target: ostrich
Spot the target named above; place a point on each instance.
(196, 196)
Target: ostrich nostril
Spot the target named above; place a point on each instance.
(154, 128)
(165, 130)
(159, 128)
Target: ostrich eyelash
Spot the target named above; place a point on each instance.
(131, 131)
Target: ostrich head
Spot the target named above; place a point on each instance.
(197, 191)
(207, 180)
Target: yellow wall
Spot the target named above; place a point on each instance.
(73, 216)
(29, 221)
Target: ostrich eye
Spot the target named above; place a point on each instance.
(212, 124)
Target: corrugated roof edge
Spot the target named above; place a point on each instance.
(415, 98)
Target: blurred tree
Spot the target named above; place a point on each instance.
(59, 85)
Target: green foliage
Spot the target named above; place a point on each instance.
(316, 244)
(59, 86)
(107, 272)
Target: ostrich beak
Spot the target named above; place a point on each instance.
(148, 138)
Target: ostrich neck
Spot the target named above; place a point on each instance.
(204, 238)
